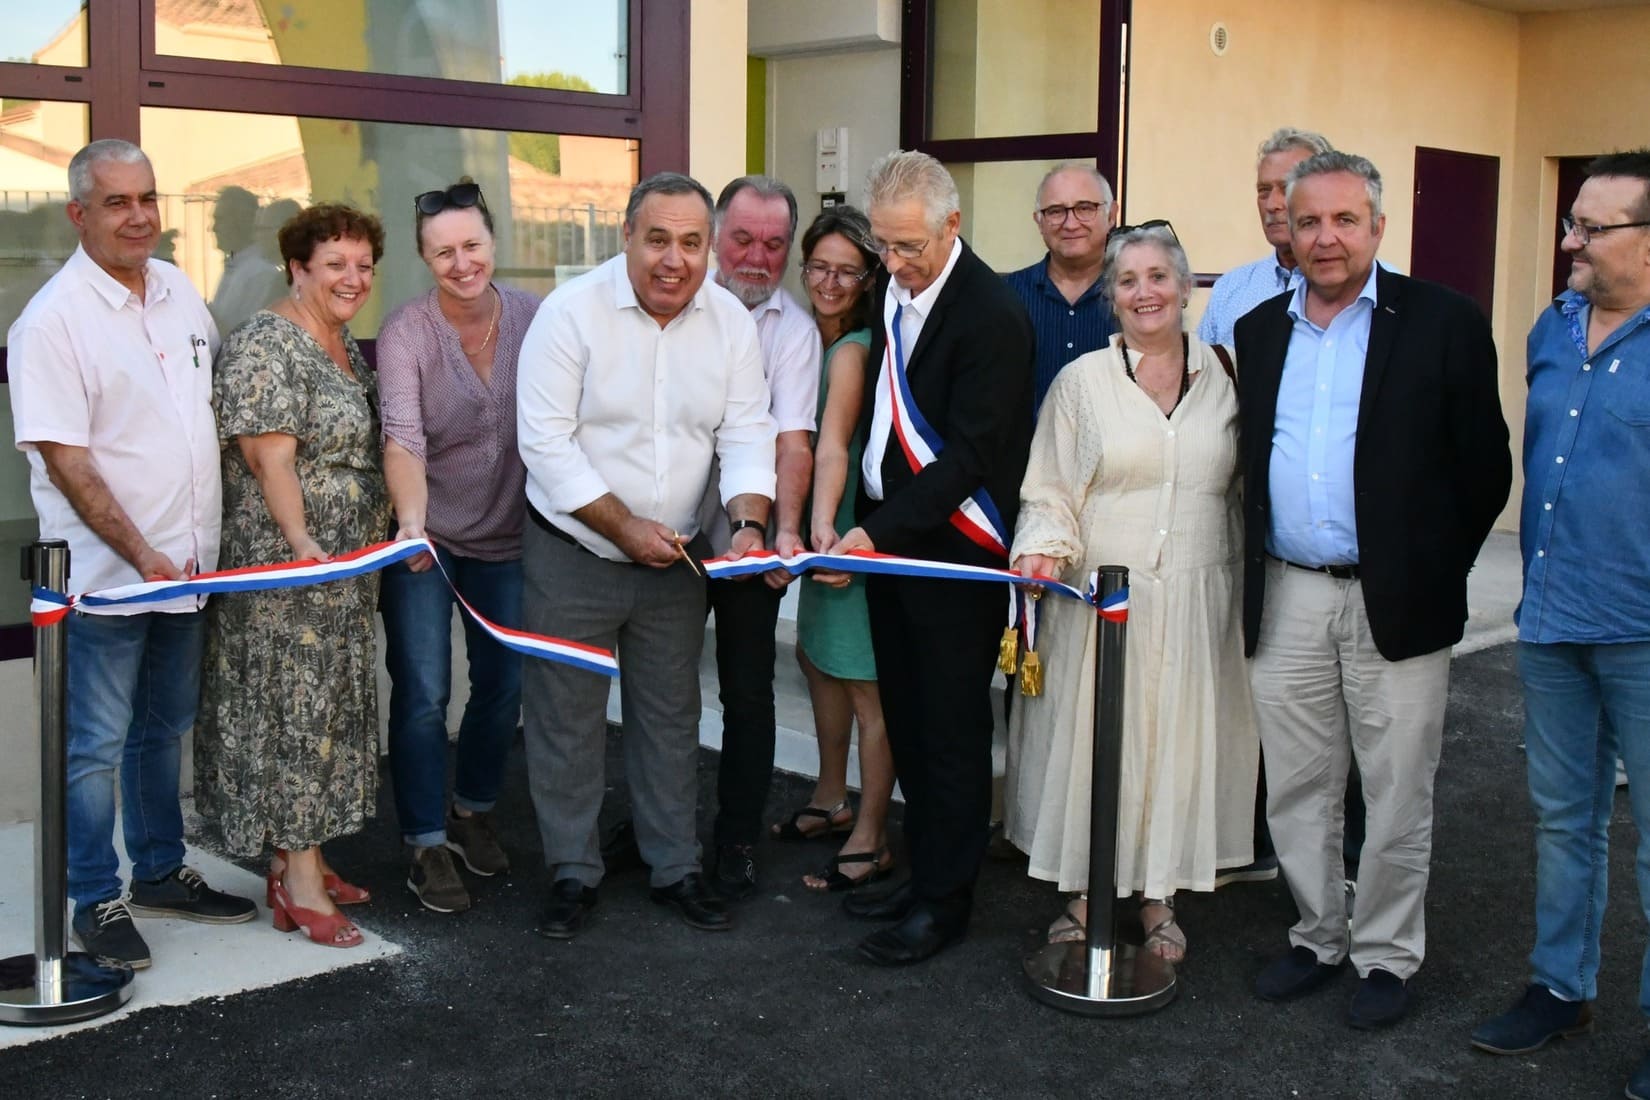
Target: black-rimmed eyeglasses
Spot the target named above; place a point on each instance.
(1584, 232)
(1056, 215)
(460, 196)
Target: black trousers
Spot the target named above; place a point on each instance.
(936, 648)
(747, 615)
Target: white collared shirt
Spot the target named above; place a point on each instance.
(609, 402)
(791, 351)
(915, 311)
(92, 365)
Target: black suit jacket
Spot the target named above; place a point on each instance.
(971, 376)
(1431, 468)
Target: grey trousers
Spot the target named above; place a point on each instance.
(1324, 696)
(655, 620)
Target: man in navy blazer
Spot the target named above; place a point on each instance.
(947, 415)
(1375, 460)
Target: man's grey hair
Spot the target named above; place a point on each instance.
(80, 166)
(1324, 164)
(766, 187)
(903, 175)
(1159, 235)
(1077, 166)
(1286, 138)
(665, 183)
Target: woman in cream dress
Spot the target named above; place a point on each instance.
(1134, 463)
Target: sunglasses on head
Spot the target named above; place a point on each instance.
(459, 196)
(1155, 223)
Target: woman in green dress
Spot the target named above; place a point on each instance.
(832, 629)
(286, 745)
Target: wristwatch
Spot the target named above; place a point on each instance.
(739, 525)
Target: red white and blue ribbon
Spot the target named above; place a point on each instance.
(48, 607)
(977, 516)
(1114, 607)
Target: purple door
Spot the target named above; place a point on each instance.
(1456, 203)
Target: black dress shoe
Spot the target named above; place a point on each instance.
(1380, 1001)
(695, 902)
(735, 873)
(1298, 972)
(925, 932)
(568, 910)
(620, 852)
(894, 904)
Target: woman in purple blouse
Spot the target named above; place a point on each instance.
(447, 373)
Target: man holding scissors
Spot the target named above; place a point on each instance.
(632, 377)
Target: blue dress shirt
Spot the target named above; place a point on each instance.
(1064, 329)
(1315, 434)
(1584, 527)
(1237, 292)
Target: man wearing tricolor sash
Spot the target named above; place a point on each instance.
(951, 373)
(111, 385)
(632, 377)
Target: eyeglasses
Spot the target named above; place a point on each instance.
(1584, 232)
(1155, 223)
(816, 272)
(1084, 212)
(460, 196)
(905, 250)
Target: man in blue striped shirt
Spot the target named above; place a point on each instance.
(1069, 313)
(1243, 288)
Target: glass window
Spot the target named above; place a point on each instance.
(1005, 68)
(578, 45)
(44, 32)
(228, 181)
(997, 199)
(37, 138)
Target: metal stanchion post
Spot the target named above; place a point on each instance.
(54, 985)
(1102, 977)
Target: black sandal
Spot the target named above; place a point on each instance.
(791, 831)
(836, 881)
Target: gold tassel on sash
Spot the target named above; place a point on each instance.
(1008, 650)
(1031, 674)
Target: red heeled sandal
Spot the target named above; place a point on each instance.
(326, 929)
(340, 891)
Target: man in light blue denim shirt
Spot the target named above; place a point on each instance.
(1584, 622)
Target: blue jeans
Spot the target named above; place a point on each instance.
(418, 609)
(1583, 704)
(134, 682)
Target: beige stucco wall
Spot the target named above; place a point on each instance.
(716, 92)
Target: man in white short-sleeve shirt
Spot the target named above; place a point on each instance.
(755, 226)
(631, 378)
(110, 367)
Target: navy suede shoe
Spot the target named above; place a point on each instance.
(1536, 1020)
(1638, 1085)
(1289, 976)
(1380, 1001)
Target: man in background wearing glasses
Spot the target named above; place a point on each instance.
(948, 429)
(1062, 291)
(755, 225)
(1584, 621)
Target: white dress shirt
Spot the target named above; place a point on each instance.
(915, 311)
(92, 365)
(790, 360)
(609, 402)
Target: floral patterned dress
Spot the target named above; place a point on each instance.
(286, 742)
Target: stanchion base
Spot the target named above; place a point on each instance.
(1133, 981)
(87, 990)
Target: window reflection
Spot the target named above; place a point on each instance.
(578, 45)
(228, 182)
(44, 32)
(1003, 68)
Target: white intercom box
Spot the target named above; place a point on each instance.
(831, 159)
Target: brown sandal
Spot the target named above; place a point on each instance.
(1068, 927)
(1165, 939)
